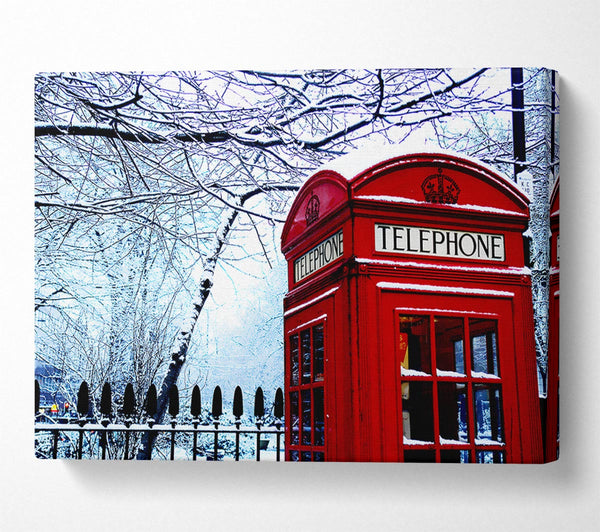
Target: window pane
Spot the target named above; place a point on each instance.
(294, 419)
(305, 347)
(449, 336)
(419, 455)
(294, 360)
(415, 350)
(490, 457)
(306, 456)
(453, 412)
(484, 350)
(319, 416)
(454, 457)
(318, 353)
(294, 456)
(459, 356)
(306, 417)
(417, 411)
(488, 412)
(318, 457)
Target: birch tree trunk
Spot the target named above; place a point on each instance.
(182, 343)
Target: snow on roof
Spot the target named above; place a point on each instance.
(399, 199)
(415, 264)
(385, 285)
(372, 153)
(315, 299)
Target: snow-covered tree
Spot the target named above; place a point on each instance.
(489, 137)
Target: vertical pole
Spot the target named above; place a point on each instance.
(216, 442)
(518, 115)
(238, 410)
(195, 450)
(217, 412)
(55, 445)
(278, 442)
(103, 443)
(80, 448)
(151, 434)
(258, 443)
(196, 410)
(126, 455)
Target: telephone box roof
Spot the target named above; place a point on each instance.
(361, 175)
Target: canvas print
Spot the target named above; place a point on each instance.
(312, 265)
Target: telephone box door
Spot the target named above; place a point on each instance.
(450, 376)
(309, 380)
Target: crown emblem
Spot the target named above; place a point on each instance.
(439, 188)
(312, 209)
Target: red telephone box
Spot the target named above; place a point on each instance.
(552, 435)
(408, 321)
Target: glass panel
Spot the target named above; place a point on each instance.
(306, 417)
(415, 350)
(294, 360)
(488, 413)
(484, 350)
(417, 411)
(318, 457)
(294, 456)
(495, 353)
(459, 356)
(454, 457)
(490, 457)
(306, 456)
(294, 419)
(305, 347)
(419, 456)
(319, 416)
(453, 412)
(318, 352)
(449, 335)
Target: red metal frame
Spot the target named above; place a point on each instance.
(297, 447)
(552, 406)
(361, 294)
(467, 380)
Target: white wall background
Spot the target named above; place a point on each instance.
(46, 495)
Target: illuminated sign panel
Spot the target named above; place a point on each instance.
(439, 242)
(320, 256)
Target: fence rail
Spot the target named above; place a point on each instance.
(135, 424)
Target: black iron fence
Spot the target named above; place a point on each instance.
(123, 429)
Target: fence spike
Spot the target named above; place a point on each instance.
(238, 403)
(151, 405)
(106, 400)
(196, 406)
(174, 401)
(217, 403)
(129, 401)
(278, 407)
(37, 398)
(259, 403)
(105, 404)
(83, 399)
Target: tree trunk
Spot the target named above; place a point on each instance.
(179, 352)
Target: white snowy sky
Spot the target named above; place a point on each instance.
(108, 35)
